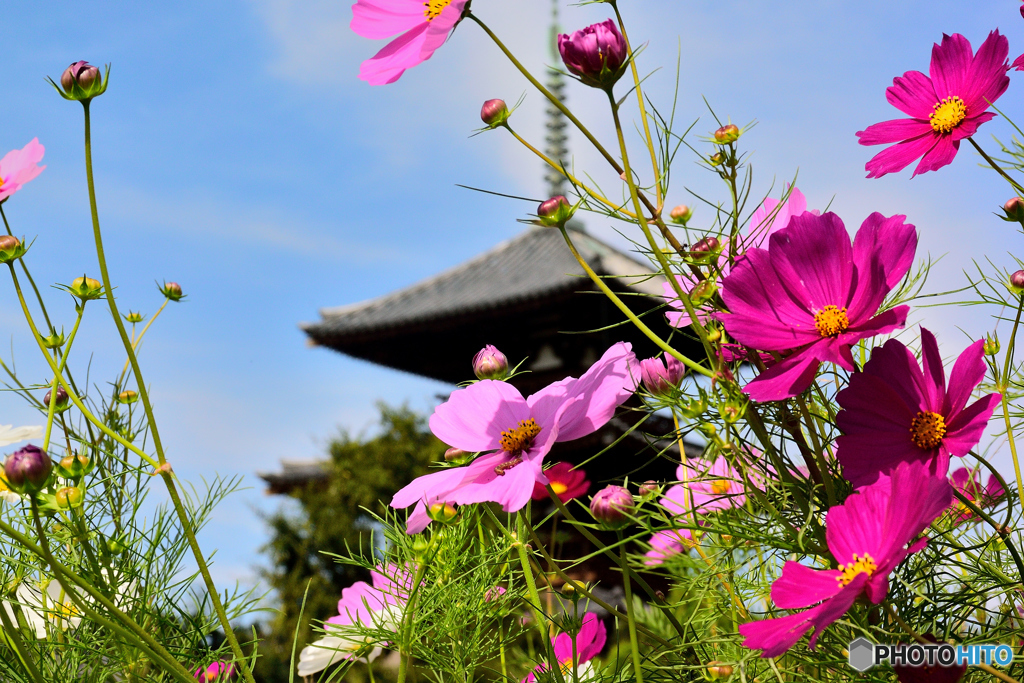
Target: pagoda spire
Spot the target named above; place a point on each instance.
(556, 137)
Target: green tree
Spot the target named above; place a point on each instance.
(362, 473)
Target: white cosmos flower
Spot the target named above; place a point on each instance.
(320, 654)
(38, 607)
(10, 434)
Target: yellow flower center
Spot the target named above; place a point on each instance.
(831, 320)
(947, 115)
(434, 8)
(927, 430)
(517, 440)
(558, 487)
(862, 564)
(721, 486)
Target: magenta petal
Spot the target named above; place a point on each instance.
(913, 94)
(589, 641)
(512, 490)
(816, 252)
(801, 586)
(942, 154)
(430, 488)
(898, 157)
(1018, 63)
(440, 27)
(783, 380)
(892, 241)
(402, 53)
(934, 376)
(986, 79)
(896, 130)
(379, 19)
(474, 418)
(951, 61)
(966, 429)
(968, 372)
(969, 126)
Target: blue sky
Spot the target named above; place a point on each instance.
(237, 153)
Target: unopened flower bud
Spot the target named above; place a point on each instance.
(10, 248)
(612, 505)
(727, 133)
(490, 363)
(702, 292)
(681, 214)
(127, 397)
(172, 290)
(991, 345)
(555, 212)
(457, 456)
(708, 246)
(661, 378)
(114, 546)
(568, 590)
(134, 317)
(1014, 209)
(442, 512)
(53, 341)
(494, 113)
(27, 469)
(420, 545)
(1017, 281)
(596, 54)
(649, 488)
(75, 465)
(69, 497)
(731, 413)
(86, 288)
(717, 159)
(82, 81)
(718, 670)
(60, 400)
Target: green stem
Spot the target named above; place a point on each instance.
(995, 525)
(639, 324)
(1004, 385)
(531, 587)
(240, 661)
(630, 618)
(24, 268)
(995, 167)
(403, 662)
(14, 634)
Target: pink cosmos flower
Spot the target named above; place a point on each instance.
(968, 484)
(813, 294)
(868, 537)
(20, 166)
(597, 54)
(368, 605)
(768, 219)
(711, 487)
(218, 671)
(493, 416)
(894, 412)
(944, 109)
(667, 543)
(566, 482)
(589, 643)
(424, 27)
(661, 376)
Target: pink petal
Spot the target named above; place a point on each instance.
(968, 372)
(986, 79)
(816, 252)
(379, 19)
(800, 586)
(898, 157)
(474, 418)
(589, 641)
(402, 53)
(969, 126)
(913, 94)
(892, 241)
(966, 429)
(430, 488)
(1018, 63)
(942, 154)
(896, 130)
(934, 376)
(951, 61)
(512, 490)
(783, 380)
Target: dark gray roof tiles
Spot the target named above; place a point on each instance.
(529, 266)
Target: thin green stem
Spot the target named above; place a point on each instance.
(403, 661)
(995, 167)
(135, 341)
(634, 644)
(1004, 401)
(24, 268)
(531, 587)
(24, 656)
(186, 524)
(639, 324)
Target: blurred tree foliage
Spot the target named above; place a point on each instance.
(362, 473)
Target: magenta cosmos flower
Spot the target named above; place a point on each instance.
(424, 27)
(773, 215)
(20, 166)
(667, 543)
(894, 412)
(711, 486)
(811, 295)
(566, 482)
(944, 109)
(589, 643)
(868, 536)
(969, 485)
(597, 54)
(661, 377)
(492, 416)
(218, 671)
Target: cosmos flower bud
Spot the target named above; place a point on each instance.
(596, 54)
(1017, 281)
(1014, 209)
(991, 347)
(86, 288)
(612, 506)
(457, 456)
(60, 401)
(717, 670)
(127, 397)
(134, 317)
(53, 341)
(27, 469)
(681, 214)
(717, 159)
(443, 512)
(172, 290)
(649, 488)
(702, 292)
(490, 363)
(69, 497)
(661, 377)
(555, 212)
(75, 465)
(727, 133)
(10, 248)
(705, 247)
(81, 81)
(494, 113)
